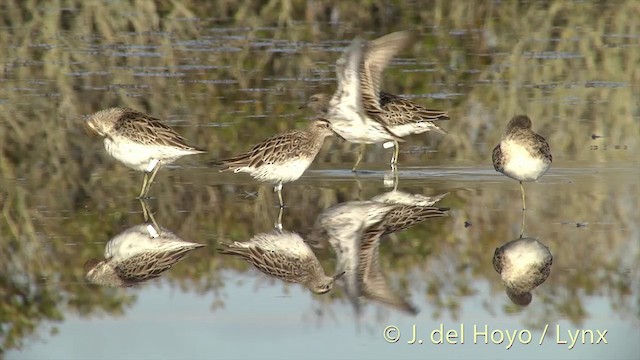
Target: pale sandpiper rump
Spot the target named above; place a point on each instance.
(523, 264)
(522, 154)
(139, 141)
(398, 116)
(138, 254)
(283, 255)
(282, 158)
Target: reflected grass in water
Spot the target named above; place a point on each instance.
(572, 65)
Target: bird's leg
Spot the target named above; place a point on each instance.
(148, 214)
(524, 207)
(359, 158)
(522, 226)
(395, 177)
(359, 185)
(278, 189)
(391, 178)
(396, 153)
(153, 167)
(145, 210)
(279, 223)
(144, 185)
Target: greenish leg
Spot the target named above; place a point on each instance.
(396, 153)
(148, 215)
(359, 158)
(151, 178)
(279, 223)
(145, 210)
(278, 189)
(359, 185)
(394, 169)
(144, 185)
(522, 226)
(524, 207)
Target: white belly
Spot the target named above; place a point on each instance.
(137, 156)
(524, 259)
(355, 127)
(369, 132)
(521, 165)
(286, 172)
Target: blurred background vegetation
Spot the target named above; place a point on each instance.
(229, 73)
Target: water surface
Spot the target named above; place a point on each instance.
(226, 76)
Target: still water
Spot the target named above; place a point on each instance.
(226, 76)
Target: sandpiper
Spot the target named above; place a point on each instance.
(522, 154)
(342, 226)
(282, 158)
(139, 141)
(523, 264)
(283, 255)
(138, 254)
(398, 116)
(345, 111)
(373, 283)
(353, 229)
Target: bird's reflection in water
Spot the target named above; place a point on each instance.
(523, 264)
(278, 224)
(354, 229)
(391, 178)
(285, 256)
(138, 254)
(400, 197)
(522, 225)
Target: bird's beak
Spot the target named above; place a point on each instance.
(303, 105)
(338, 276)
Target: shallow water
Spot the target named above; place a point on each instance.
(226, 82)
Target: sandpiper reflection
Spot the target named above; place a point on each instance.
(138, 254)
(354, 230)
(523, 264)
(285, 256)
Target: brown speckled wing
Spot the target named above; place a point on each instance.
(371, 278)
(406, 216)
(544, 272)
(270, 151)
(399, 111)
(498, 160)
(149, 265)
(378, 54)
(541, 146)
(498, 259)
(145, 129)
(273, 263)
